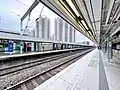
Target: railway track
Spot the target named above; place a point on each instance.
(16, 68)
(34, 81)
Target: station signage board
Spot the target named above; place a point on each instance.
(10, 47)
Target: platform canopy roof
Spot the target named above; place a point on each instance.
(96, 19)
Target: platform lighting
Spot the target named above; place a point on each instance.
(73, 7)
(83, 22)
(93, 37)
(66, 7)
(90, 33)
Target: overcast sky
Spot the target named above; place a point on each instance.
(12, 10)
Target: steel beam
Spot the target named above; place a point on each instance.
(109, 11)
(115, 31)
(36, 2)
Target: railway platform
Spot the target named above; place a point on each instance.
(91, 72)
(31, 54)
(30, 72)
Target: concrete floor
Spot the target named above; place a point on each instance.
(84, 74)
(81, 75)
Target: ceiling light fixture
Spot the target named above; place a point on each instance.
(83, 22)
(73, 7)
(63, 3)
(90, 33)
(72, 10)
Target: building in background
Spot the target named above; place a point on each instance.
(74, 33)
(42, 31)
(43, 28)
(33, 33)
(52, 37)
(70, 33)
(37, 29)
(84, 43)
(58, 29)
(48, 29)
(64, 31)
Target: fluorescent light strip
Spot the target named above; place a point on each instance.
(75, 11)
(90, 33)
(83, 22)
(70, 13)
(66, 8)
(73, 7)
(93, 37)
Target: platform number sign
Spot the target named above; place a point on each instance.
(10, 47)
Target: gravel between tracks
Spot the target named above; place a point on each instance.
(17, 62)
(11, 79)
